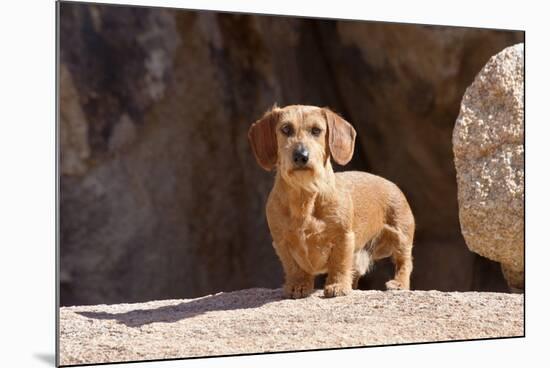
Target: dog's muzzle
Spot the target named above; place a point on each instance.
(300, 156)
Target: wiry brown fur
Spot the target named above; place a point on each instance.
(326, 222)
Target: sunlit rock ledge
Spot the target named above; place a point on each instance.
(260, 320)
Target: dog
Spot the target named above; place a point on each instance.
(323, 222)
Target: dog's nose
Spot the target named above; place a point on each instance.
(300, 156)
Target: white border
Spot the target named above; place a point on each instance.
(27, 186)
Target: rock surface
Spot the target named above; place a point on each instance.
(161, 197)
(259, 320)
(489, 157)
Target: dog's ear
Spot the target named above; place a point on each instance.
(263, 140)
(341, 137)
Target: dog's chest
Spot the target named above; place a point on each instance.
(309, 243)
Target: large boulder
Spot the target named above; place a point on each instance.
(488, 144)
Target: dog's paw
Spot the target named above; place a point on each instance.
(333, 290)
(297, 291)
(394, 285)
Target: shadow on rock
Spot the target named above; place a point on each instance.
(173, 313)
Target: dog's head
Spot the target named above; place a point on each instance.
(299, 141)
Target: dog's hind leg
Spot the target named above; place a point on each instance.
(394, 243)
(403, 268)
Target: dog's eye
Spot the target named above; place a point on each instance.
(287, 130)
(315, 131)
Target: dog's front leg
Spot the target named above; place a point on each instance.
(298, 283)
(340, 266)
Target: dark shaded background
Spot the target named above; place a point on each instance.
(160, 194)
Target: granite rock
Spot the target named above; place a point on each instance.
(260, 320)
(488, 144)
